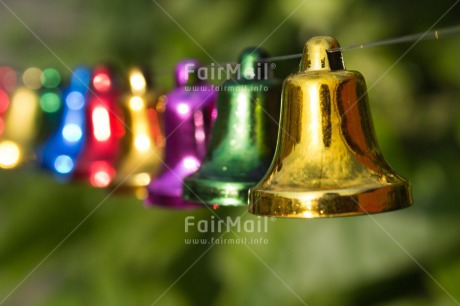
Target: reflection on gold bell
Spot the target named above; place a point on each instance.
(327, 161)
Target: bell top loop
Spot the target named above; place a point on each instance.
(186, 72)
(252, 64)
(316, 56)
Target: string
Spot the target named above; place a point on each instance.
(432, 35)
(437, 34)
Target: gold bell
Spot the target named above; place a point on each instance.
(327, 162)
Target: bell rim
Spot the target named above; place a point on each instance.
(325, 204)
(224, 193)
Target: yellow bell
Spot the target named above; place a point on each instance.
(142, 149)
(22, 122)
(327, 161)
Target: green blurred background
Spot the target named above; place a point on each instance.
(124, 254)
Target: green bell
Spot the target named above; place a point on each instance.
(244, 135)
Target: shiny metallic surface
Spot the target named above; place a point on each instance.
(51, 104)
(61, 150)
(104, 128)
(21, 128)
(189, 113)
(327, 162)
(141, 150)
(244, 136)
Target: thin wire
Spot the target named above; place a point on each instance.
(432, 35)
(437, 34)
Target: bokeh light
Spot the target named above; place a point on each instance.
(136, 103)
(138, 83)
(141, 179)
(8, 78)
(75, 100)
(101, 124)
(50, 78)
(50, 102)
(32, 78)
(9, 154)
(142, 143)
(214, 114)
(63, 164)
(72, 132)
(161, 104)
(101, 174)
(191, 163)
(102, 82)
(183, 109)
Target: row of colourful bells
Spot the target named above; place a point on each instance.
(326, 162)
(95, 129)
(22, 107)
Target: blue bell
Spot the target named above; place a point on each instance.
(61, 150)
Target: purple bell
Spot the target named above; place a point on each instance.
(189, 114)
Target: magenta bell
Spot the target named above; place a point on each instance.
(190, 110)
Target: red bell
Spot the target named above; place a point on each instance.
(104, 128)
